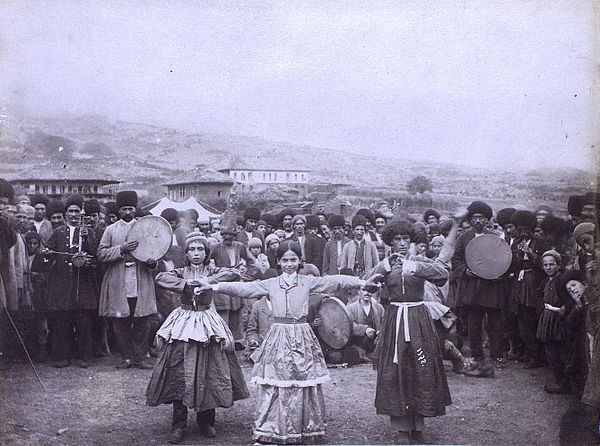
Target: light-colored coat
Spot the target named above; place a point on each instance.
(349, 255)
(113, 301)
(359, 318)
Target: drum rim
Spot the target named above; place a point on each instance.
(155, 218)
(348, 314)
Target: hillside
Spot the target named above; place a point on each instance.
(148, 155)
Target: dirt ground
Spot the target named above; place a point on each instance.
(105, 406)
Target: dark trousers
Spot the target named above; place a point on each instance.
(68, 329)
(132, 334)
(180, 412)
(556, 354)
(100, 334)
(512, 326)
(528, 319)
(475, 315)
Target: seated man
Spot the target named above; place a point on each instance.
(259, 322)
(367, 315)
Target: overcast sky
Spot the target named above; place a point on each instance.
(488, 83)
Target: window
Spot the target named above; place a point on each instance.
(44, 189)
(37, 188)
(235, 175)
(249, 176)
(70, 188)
(243, 177)
(275, 176)
(287, 176)
(270, 179)
(296, 176)
(62, 188)
(219, 194)
(303, 177)
(264, 176)
(54, 189)
(95, 189)
(181, 191)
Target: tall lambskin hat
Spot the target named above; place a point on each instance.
(359, 220)
(91, 207)
(111, 208)
(369, 216)
(575, 205)
(336, 220)
(313, 221)
(74, 200)
(127, 198)
(524, 218)
(480, 207)
(283, 213)
(169, 214)
(503, 216)
(252, 214)
(430, 212)
(554, 224)
(39, 199)
(6, 190)
(55, 207)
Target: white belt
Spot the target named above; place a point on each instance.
(402, 311)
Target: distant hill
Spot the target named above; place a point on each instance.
(148, 154)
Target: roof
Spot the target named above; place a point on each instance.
(200, 175)
(67, 171)
(261, 163)
(190, 203)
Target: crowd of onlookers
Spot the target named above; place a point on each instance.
(60, 260)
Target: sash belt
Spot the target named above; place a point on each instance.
(402, 314)
(289, 320)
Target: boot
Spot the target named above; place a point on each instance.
(176, 436)
(484, 370)
(458, 361)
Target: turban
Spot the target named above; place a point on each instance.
(295, 218)
(582, 229)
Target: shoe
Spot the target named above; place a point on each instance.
(499, 363)
(82, 363)
(471, 364)
(209, 431)
(124, 364)
(403, 438)
(557, 389)
(176, 436)
(533, 364)
(61, 364)
(483, 371)
(239, 346)
(143, 365)
(417, 437)
(459, 366)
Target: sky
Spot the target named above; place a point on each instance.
(484, 83)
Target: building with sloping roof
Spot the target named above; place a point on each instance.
(58, 180)
(250, 171)
(202, 183)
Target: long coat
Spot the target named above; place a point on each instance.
(259, 322)
(113, 299)
(69, 287)
(349, 255)
(475, 290)
(330, 257)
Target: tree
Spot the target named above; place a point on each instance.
(419, 185)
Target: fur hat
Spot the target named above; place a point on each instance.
(74, 200)
(283, 213)
(111, 208)
(369, 216)
(438, 238)
(270, 238)
(255, 242)
(396, 227)
(169, 214)
(430, 212)
(295, 218)
(261, 222)
(582, 229)
(313, 221)
(575, 205)
(6, 190)
(54, 207)
(336, 220)
(239, 221)
(91, 207)
(480, 207)
(524, 218)
(359, 220)
(39, 199)
(421, 238)
(554, 224)
(32, 235)
(503, 216)
(127, 198)
(269, 219)
(252, 214)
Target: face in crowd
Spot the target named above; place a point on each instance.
(57, 219)
(127, 213)
(73, 214)
(525, 232)
(312, 231)
(478, 222)
(359, 232)
(401, 244)
(299, 228)
(289, 262)
(436, 247)
(250, 225)
(39, 212)
(33, 246)
(337, 232)
(379, 224)
(550, 265)
(287, 222)
(273, 245)
(196, 252)
(326, 232)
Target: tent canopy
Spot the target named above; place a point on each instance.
(191, 203)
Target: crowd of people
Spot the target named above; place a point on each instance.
(254, 283)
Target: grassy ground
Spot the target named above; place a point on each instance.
(104, 406)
